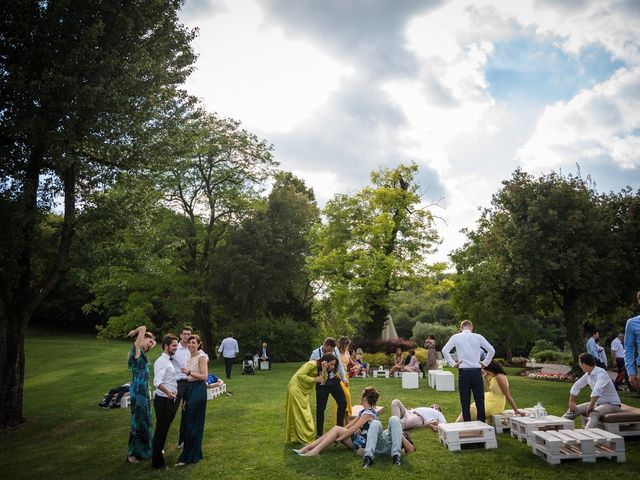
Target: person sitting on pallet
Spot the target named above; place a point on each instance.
(118, 393)
(604, 397)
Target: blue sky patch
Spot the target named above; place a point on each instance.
(526, 70)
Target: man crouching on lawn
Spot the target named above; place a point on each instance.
(604, 397)
(391, 441)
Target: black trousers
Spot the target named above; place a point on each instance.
(228, 363)
(119, 392)
(333, 388)
(470, 380)
(183, 386)
(165, 412)
(622, 373)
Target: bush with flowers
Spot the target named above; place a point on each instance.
(553, 376)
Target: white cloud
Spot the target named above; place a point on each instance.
(596, 124)
(253, 73)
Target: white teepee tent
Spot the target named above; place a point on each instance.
(389, 330)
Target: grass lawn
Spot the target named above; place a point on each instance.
(69, 437)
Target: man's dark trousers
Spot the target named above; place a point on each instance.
(183, 386)
(470, 380)
(228, 363)
(622, 373)
(165, 412)
(333, 388)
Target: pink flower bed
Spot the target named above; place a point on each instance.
(553, 376)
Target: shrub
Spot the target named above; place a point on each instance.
(376, 359)
(554, 356)
(438, 330)
(421, 355)
(500, 361)
(288, 339)
(518, 361)
(540, 345)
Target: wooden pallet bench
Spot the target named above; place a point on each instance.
(585, 445)
(502, 421)
(625, 423)
(399, 374)
(454, 435)
(214, 392)
(523, 428)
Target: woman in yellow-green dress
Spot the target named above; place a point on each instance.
(299, 424)
(497, 393)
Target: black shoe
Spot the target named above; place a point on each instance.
(396, 460)
(367, 462)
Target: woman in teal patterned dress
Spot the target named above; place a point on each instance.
(141, 433)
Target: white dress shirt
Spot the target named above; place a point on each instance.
(601, 386)
(164, 373)
(429, 414)
(181, 360)
(229, 348)
(468, 347)
(617, 348)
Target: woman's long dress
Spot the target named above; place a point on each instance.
(432, 356)
(494, 401)
(141, 433)
(194, 414)
(345, 358)
(299, 425)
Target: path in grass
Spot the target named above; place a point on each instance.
(69, 437)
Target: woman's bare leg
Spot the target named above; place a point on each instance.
(324, 441)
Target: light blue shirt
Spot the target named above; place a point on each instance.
(592, 348)
(632, 345)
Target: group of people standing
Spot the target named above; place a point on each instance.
(180, 375)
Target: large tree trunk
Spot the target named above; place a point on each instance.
(379, 315)
(202, 323)
(19, 302)
(12, 329)
(572, 323)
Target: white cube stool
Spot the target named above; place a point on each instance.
(444, 381)
(410, 380)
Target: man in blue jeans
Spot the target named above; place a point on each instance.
(391, 441)
(469, 348)
(632, 348)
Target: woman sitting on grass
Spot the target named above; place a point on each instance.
(497, 394)
(354, 434)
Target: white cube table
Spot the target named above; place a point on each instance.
(410, 380)
(585, 445)
(444, 381)
(502, 421)
(432, 378)
(453, 435)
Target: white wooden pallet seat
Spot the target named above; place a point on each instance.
(522, 428)
(502, 421)
(216, 391)
(399, 374)
(625, 423)
(584, 445)
(454, 435)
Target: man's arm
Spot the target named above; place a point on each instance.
(340, 367)
(630, 343)
(446, 352)
(489, 349)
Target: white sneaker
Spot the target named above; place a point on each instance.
(181, 445)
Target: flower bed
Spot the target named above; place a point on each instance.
(553, 376)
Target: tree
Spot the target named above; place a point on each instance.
(261, 268)
(85, 87)
(372, 243)
(545, 242)
(214, 181)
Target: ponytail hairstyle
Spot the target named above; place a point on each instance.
(371, 395)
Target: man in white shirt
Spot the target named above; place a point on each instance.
(417, 417)
(180, 361)
(604, 398)
(229, 349)
(469, 348)
(617, 355)
(164, 400)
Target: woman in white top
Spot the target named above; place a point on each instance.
(195, 408)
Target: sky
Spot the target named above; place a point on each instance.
(469, 90)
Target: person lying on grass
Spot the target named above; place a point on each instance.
(354, 434)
